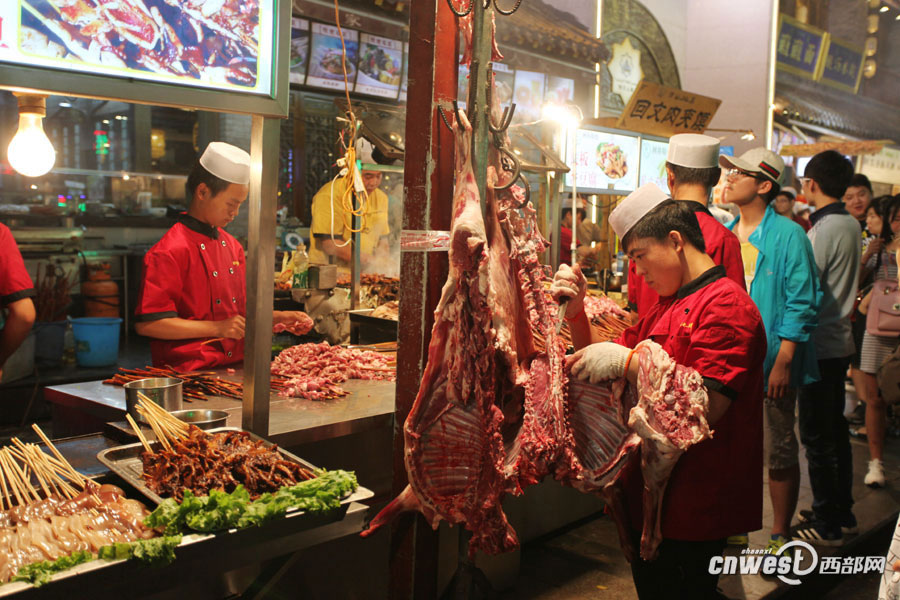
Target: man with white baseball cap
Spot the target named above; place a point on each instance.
(708, 324)
(692, 169)
(194, 286)
(783, 282)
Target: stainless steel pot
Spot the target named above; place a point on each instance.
(204, 418)
(165, 391)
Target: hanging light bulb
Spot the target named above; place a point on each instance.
(30, 151)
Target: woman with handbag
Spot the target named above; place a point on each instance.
(882, 328)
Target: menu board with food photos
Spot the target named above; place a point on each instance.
(504, 83)
(380, 66)
(605, 161)
(325, 70)
(560, 90)
(653, 163)
(405, 79)
(170, 45)
(299, 50)
(528, 95)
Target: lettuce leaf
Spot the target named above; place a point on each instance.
(221, 510)
(156, 551)
(40, 573)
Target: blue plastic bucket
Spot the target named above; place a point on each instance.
(96, 341)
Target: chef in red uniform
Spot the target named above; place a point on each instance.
(707, 322)
(692, 169)
(16, 292)
(193, 297)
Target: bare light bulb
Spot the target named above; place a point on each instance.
(30, 151)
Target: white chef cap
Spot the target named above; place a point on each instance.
(634, 207)
(227, 162)
(693, 150)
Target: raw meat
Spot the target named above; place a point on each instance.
(490, 415)
(301, 326)
(314, 371)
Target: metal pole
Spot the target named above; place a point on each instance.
(264, 148)
(574, 245)
(479, 82)
(354, 256)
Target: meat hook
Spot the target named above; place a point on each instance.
(516, 170)
(505, 120)
(465, 12)
(506, 13)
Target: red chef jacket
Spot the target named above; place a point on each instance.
(565, 246)
(721, 245)
(195, 272)
(15, 284)
(716, 488)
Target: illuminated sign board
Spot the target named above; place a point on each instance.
(225, 46)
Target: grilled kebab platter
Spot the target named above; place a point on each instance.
(56, 522)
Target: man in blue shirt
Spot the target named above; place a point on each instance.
(781, 277)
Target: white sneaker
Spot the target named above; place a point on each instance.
(875, 476)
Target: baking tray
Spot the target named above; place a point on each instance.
(125, 461)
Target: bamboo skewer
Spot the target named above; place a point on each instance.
(25, 480)
(7, 475)
(76, 476)
(139, 433)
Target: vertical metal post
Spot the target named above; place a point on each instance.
(264, 156)
(480, 76)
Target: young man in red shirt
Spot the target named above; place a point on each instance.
(692, 169)
(16, 292)
(193, 296)
(708, 323)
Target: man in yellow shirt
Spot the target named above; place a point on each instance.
(330, 227)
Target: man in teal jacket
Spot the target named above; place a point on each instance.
(782, 280)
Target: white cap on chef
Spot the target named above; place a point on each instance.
(693, 150)
(227, 162)
(633, 208)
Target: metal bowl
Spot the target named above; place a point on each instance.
(165, 391)
(204, 418)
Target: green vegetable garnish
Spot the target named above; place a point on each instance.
(221, 510)
(155, 551)
(39, 573)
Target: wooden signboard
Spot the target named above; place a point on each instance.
(664, 111)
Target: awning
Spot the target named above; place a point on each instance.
(805, 101)
(538, 27)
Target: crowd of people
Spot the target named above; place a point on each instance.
(771, 311)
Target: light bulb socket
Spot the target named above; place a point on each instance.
(32, 104)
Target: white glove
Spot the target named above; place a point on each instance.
(569, 284)
(599, 362)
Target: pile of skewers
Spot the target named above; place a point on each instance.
(187, 457)
(53, 473)
(49, 511)
(53, 288)
(197, 385)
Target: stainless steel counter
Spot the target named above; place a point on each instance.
(80, 408)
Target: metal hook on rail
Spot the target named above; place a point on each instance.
(465, 12)
(506, 13)
(440, 109)
(505, 120)
(516, 170)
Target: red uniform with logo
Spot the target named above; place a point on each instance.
(721, 245)
(716, 488)
(195, 272)
(15, 284)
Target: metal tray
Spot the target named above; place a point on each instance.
(125, 461)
